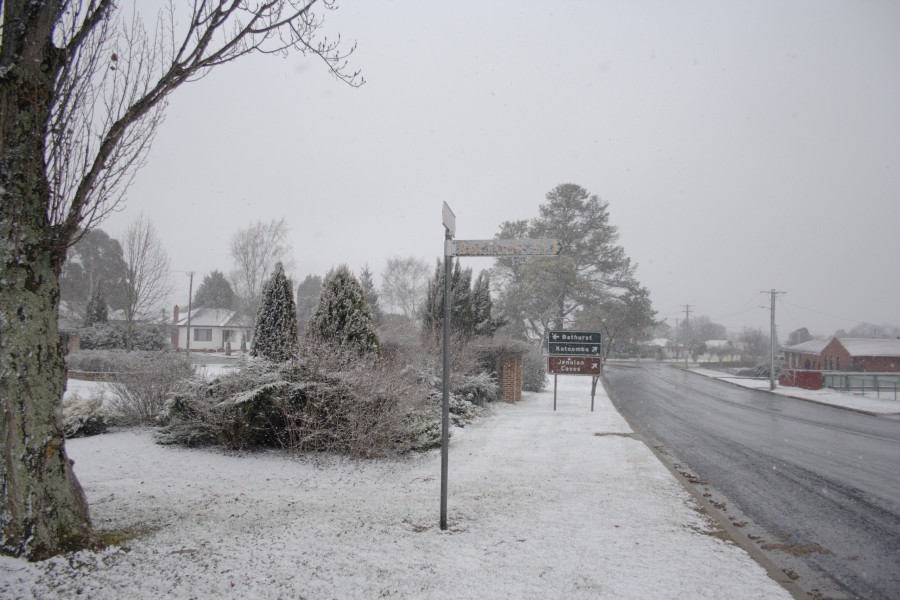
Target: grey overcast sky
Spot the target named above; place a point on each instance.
(742, 146)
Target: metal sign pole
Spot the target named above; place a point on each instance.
(445, 403)
(526, 247)
(554, 393)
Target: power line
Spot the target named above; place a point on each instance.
(824, 313)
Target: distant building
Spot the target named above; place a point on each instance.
(859, 355)
(720, 351)
(211, 329)
(660, 349)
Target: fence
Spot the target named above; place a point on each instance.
(880, 385)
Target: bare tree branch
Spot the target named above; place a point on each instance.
(116, 75)
(147, 277)
(255, 252)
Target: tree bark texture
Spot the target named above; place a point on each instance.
(43, 510)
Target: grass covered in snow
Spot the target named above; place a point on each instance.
(542, 504)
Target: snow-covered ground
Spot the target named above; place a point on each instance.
(542, 504)
(867, 404)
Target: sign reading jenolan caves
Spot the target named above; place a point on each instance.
(573, 365)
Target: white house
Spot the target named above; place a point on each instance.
(211, 328)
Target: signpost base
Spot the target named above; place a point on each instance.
(554, 393)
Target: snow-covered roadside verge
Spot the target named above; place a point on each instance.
(864, 404)
(542, 504)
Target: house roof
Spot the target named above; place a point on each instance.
(810, 347)
(659, 343)
(212, 317)
(854, 346)
(716, 344)
(871, 347)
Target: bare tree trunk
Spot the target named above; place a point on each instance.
(43, 510)
(147, 274)
(76, 121)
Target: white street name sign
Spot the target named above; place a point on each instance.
(542, 247)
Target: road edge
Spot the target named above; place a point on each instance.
(733, 534)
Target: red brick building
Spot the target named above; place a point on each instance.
(859, 355)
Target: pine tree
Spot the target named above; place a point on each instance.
(276, 320)
(308, 293)
(215, 292)
(462, 321)
(97, 312)
(367, 281)
(433, 307)
(343, 316)
(483, 319)
(543, 293)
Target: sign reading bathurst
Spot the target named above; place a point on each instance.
(574, 343)
(590, 337)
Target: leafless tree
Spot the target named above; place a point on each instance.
(147, 281)
(255, 252)
(404, 283)
(82, 91)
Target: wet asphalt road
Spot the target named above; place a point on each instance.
(822, 481)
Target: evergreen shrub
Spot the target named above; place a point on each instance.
(82, 417)
(534, 371)
(102, 336)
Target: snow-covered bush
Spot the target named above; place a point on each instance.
(143, 383)
(478, 388)
(102, 336)
(534, 371)
(82, 417)
(94, 361)
(323, 402)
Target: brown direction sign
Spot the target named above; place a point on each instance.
(573, 365)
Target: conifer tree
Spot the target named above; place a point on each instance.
(97, 312)
(483, 320)
(276, 320)
(462, 321)
(343, 316)
(367, 281)
(215, 292)
(308, 293)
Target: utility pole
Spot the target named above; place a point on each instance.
(687, 324)
(773, 338)
(190, 298)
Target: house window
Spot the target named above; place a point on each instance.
(226, 335)
(203, 335)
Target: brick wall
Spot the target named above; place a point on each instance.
(835, 357)
(877, 364)
(807, 380)
(511, 377)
